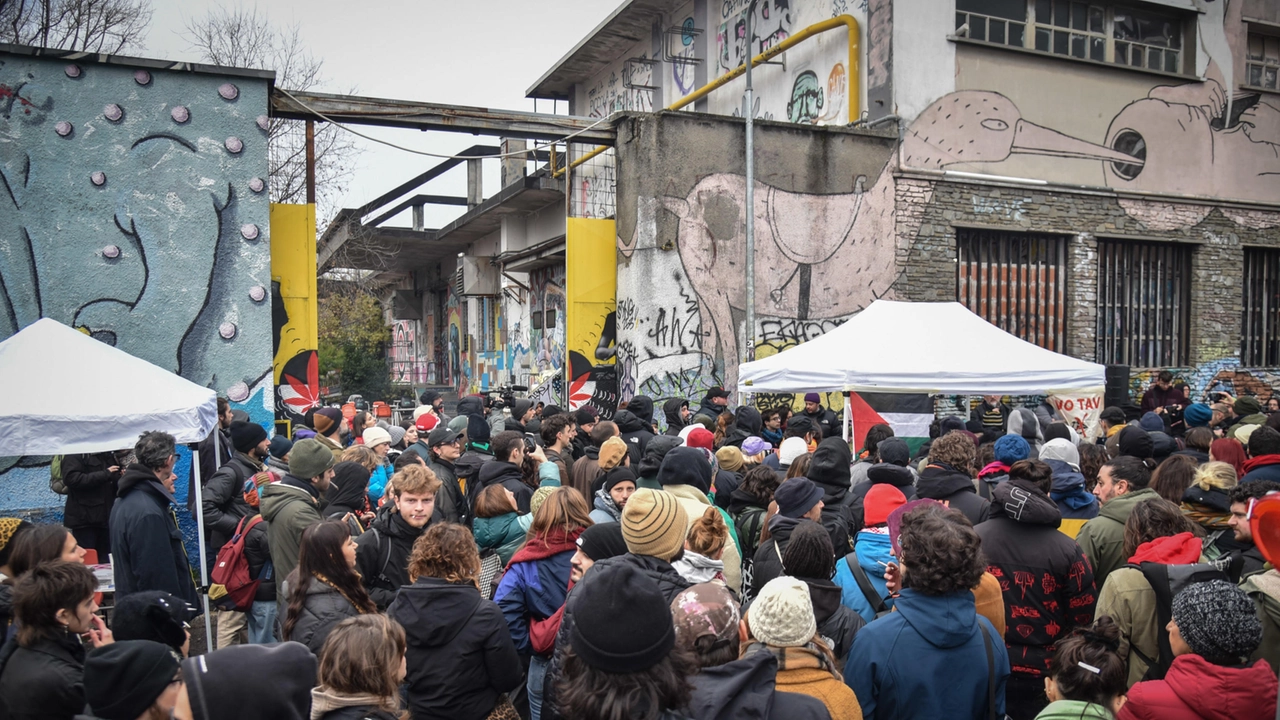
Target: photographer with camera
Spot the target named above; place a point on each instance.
(1162, 396)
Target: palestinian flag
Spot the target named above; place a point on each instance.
(908, 415)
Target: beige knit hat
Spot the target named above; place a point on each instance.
(782, 614)
(612, 452)
(654, 524)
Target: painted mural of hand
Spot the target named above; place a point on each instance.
(1208, 96)
(1262, 123)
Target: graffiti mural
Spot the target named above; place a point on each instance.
(807, 99)
(770, 26)
(682, 72)
(547, 333)
(133, 206)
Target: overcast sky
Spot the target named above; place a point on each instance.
(470, 52)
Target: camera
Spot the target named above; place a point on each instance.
(504, 396)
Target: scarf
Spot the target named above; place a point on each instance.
(1254, 463)
(808, 656)
(542, 547)
(324, 701)
(1206, 517)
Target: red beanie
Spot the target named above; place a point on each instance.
(701, 438)
(881, 500)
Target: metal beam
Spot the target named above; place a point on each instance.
(436, 171)
(416, 202)
(431, 116)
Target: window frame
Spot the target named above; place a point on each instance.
(1260, 315)
(1266, 32)
(1122, 338)
(1015, 261)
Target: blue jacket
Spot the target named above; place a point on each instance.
(378, 483)
(1263, 472)
(532, 589)
(870, 547)
(1074, 502)
(926, 660)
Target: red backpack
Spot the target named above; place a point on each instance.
(232, 568)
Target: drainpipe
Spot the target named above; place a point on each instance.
(748, 112)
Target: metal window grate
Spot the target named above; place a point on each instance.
(1144, 307)
(1015, 281)
(1260, 336)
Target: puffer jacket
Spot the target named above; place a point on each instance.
(945, 484)
(454, 505)
(871, 548)
(503, 534)
(257, 552)
(634, 430)
(535, 584)
(1196, 689)
(1102, 538)
(1264, 590)
(91, 489)
(746, 423)
(1045, 580)
(747, 688)
(837, 624)
(44, 681)
(509, 476)
(671, 409)
(1131, 602)
(1074, 502)
(223, 501)
(322, 610)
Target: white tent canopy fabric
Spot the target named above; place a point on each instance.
(936, 348)
(65, 393)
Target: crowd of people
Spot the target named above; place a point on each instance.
(665, 563)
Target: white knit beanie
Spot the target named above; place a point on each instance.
(782, 614)
(791, 448)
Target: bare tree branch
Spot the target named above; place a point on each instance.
(245, 37)
(101, 26)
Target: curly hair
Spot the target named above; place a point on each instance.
(585, 692)
(1154, 518)
(940, 550)
(955, 449)
(362, 656)
(446, 551)
(760, 482)
(1072, 667)
(362, 454)
(708, 534)
(415, 480)
(1092, 457)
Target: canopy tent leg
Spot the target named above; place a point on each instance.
(847, 425)
(204, 561)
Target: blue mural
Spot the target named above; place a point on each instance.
(134, 206)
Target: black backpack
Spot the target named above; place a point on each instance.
(1167, 581)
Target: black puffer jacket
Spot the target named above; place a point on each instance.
(44, 681)
(829, 469)
(509, 476)
(91, 489)
(382, 554)
(223, 500)
(837, 623)
(944, 483)
(471, 405)
(460, 656)
(322, 610)
(747, 688)
(825, 420)
(671, 409)
(1047, 584)
(258, 554)
(882, 473)
(454, 506)
(746, 423)
(146, 544)
(634, 430)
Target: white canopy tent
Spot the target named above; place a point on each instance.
(934, 348)
(66, 393)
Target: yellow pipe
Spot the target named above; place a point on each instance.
(853, 73)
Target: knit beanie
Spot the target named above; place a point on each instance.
(618, 475)
(782, 614)
(1135, 442)
(397, 434)
(326, 420)
(309, 458)
(881, 500)
(797, 496)
(685, 466)
(539, 496)
(1151, 422)
(1218, 621)
(1059, 449)
(251, 682)
(477, 429)
(812, 397)
(730, 458)
(705, 610)
(654, 524)
(123, 679)
(9, 529)
(585, 415)
(791, 448)
(707, 422)
(245, 436)
(602, 541)
(152, 615)
(551, 411)
(1010, 448)
(1197, 415)
(1247, 405)
(894, 450)
(280, 446)
(622, 623)
(612, 452)
(375, 436)
(701, 438)
(422, 410)
(1057, 430)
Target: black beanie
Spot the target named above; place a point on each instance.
(1057, 430)
(617, 475)
(251, 682)
(611, 593)
(152, 615)
(1135, 442)
(477, 429)
(685, 466)
(245, 436)
(602, 541)
(123, 679)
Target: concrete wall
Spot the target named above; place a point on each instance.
(134, 207)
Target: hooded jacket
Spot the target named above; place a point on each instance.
(829, 470)
(1074, 502)
(1023, 422)
(1128, 598)
(837, 624)
(748, 521)
(699, 568)
(382, 554)
(1102, 538)
(535, 584)
(1075, 710)
(454, 505)
(222, 500)
(460, 656)
(945, 484)
(44, 681)
(146, 544)
(747, 688)
(1264, 590)
(509, 476)
(651, 460)
(881, 474)
(901, 663)
(709, 408)
(871, 549)
(1046, 582)
(746, 422)
(586, 470)
(347, 490)
(1264, 467)
(503, 534)
(1196, 689)
(323, 608)
(604, 509)
(671, 409)
(91, 489)
(695, 504)
(635, 425)
(289, 507)
(767, 563)
(806, 670)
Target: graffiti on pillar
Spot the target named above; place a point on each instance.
(769, 27)
(546, 333)
(456, 353)
(682, 73)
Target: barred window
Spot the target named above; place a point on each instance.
(1260, 337)
(1015, 281)
(1263, 61)
(1144, 306)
